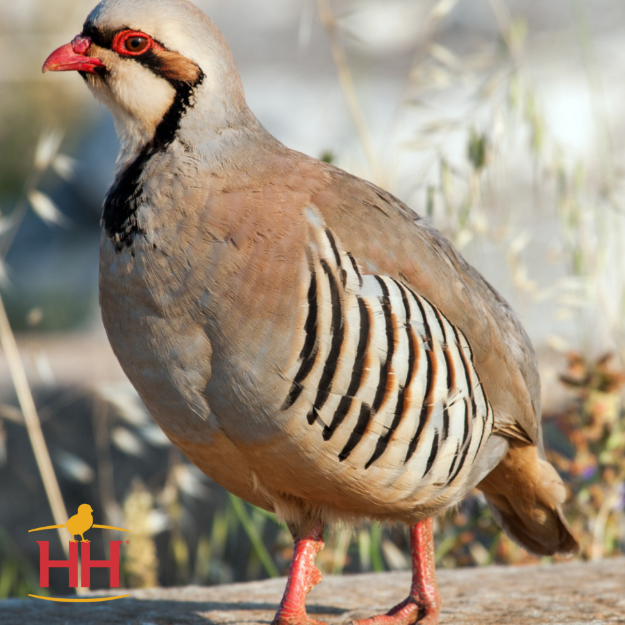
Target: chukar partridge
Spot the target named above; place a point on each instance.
(305, 338)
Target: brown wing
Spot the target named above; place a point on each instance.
(387, 237)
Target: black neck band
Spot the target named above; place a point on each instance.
(124, 197)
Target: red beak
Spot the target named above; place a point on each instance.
(73, 57)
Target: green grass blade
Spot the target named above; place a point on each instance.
(252, 533)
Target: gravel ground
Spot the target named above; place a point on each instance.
(572, 594)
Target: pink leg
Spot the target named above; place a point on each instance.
(303, 577)
(424, 603)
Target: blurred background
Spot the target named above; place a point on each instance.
(498, 119)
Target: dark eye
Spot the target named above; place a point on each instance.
(136, 44)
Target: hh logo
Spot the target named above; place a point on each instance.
(77, 526)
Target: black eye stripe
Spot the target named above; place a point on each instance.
(150, 60)
(103, 37)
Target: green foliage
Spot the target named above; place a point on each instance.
(477, 150)
(17, 577)
(327, 157)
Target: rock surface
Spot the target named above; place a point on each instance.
(572, 594)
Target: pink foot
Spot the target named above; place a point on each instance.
(296, 620)
(303, 577)
(424, 603)
(406, 613)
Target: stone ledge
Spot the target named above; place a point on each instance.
(567, 594)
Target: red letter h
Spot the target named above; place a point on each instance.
(45, 563)
(87, 563)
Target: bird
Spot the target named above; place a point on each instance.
(78, 524)
(304, 337)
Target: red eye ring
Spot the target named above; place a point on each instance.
(121, 43)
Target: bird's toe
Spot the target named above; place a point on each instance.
(406, 613)
(296, 620)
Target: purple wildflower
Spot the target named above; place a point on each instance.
(589, 472)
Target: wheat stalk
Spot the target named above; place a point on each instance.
(349, 90)
(33, 426)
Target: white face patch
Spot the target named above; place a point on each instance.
(136, 97)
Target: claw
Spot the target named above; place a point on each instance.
(299, 620)
(405, 613)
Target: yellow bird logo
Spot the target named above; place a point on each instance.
(79, 524)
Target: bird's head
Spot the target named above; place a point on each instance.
(160, 66)
(85, 509)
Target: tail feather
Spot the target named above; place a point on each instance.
(524, 494)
